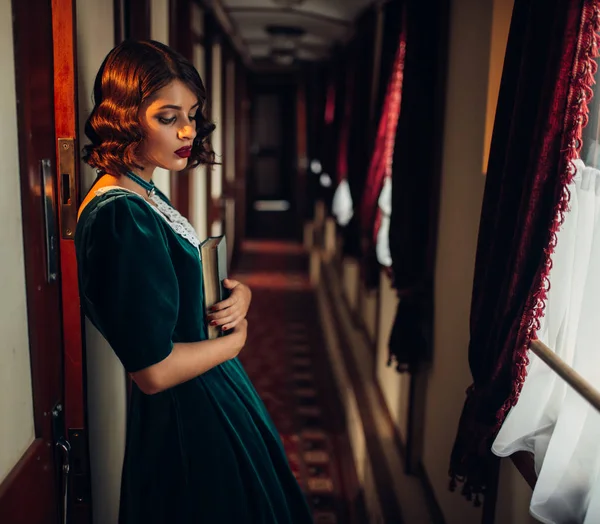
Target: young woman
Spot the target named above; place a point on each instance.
(201, 447)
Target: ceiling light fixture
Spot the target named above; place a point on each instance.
(284, 42)
(284, 58)
(288, 3)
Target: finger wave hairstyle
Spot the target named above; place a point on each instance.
(131, 73)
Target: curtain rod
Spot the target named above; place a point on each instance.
(567, 373)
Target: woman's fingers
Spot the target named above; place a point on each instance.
(224, 313)
(229, 283)
(231, 325)
(224, 304)
(224, 320)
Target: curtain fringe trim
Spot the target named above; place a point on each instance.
(580, 94)
(577, 117)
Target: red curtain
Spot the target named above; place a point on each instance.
(342, 158)
(380, 166)
(542, 107)
(332, 123)
(359, 140)
(330, 103)
(415, 181)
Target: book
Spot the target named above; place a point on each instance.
(213, 252)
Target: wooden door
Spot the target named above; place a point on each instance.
(35, 488)
(30, 485)
(50, 479)
(270, 192)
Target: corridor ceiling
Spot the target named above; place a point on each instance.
(261, 25)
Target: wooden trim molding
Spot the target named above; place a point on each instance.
(118, 13)
(391, 510)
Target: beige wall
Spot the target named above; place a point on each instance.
(159, 21)
(394, 386)
(514, 496)
(106, 396)
(461, 195)
(16, 403)
(350, 273)
(368, 306)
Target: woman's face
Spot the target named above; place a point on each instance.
(168, 121)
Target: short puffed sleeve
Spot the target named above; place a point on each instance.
(128, 285)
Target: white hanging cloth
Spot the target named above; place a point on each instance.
(550, 419)
(382, 248)
(342, 206)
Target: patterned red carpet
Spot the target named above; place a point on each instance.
(286, 359)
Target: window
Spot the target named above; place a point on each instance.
(551, 419)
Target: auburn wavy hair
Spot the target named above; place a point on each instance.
(133, 71)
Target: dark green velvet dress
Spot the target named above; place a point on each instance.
(205, 451)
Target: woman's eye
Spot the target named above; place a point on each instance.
(166, 121)
(193, 117)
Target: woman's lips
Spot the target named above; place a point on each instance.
(184, 152)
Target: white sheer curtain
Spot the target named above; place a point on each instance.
(382, 248)
(342, 206)
(551, 420)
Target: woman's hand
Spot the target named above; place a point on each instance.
(237, 338)
(231, 311)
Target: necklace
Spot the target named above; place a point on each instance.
(148, 186)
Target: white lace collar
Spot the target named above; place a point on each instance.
(170, 215)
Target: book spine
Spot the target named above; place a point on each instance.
(222, 266)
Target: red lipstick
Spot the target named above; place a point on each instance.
(184, 152)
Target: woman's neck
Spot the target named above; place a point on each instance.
(145, 173)
(126, 182)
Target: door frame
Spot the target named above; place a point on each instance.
(69, 198)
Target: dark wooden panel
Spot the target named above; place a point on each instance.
(180, 39)
(301, 156)
(137, 19)
(118, 16)
(210, 37)
(242, 106)
(24, 498)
